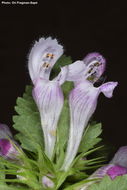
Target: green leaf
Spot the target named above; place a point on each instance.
(2, 174)
(26, 142)
(78, 175)
(83, 163)
(28, 122)
(61, 177)
(79, 185)
(90, 137)
(84, 154)
(63, 60)
(63, 125)
(64, 121)
(67, 87)
(44, 163)
(89, 140)
(8, 187)
(119, 183)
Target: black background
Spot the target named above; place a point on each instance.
(82, 27)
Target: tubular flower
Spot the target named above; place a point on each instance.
(7, 148)
(83, 99)
(46, 93)
(116, 167)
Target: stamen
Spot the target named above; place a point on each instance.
(97, 64)
(47, 59)
(50, 55)
(92, 74)
(46, 64)
(90, 70)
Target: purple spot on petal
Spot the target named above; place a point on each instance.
(5, 146)
(116, 171)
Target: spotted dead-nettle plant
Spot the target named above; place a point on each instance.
(53, 123)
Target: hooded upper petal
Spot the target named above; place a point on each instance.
(90, 68)
(42, 57)
(82, 101)
(95, 56)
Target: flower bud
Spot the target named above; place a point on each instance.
(8, 150)
(47, 182)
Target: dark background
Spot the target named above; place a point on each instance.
(82, 27)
